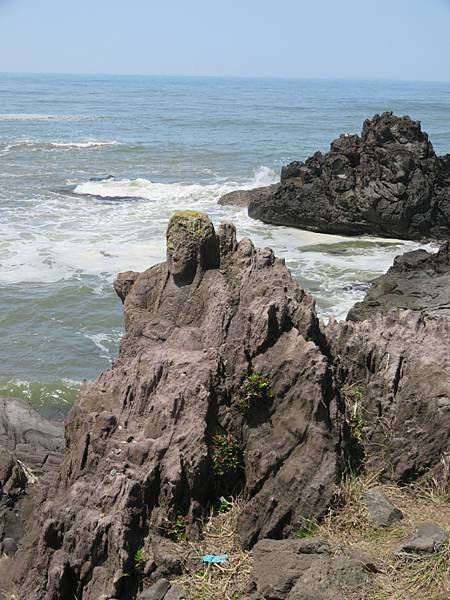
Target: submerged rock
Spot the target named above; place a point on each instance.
(387, 182)
(221, 386)
(417, 280)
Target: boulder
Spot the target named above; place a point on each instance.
(418, 280)
(222, 385)
(387, 182)
(428, 537)
(381, 510)
(155, 592)
(309, 569)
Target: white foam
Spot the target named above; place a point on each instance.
(66, 237)
(89, 144)
(45, 117)
(50, 146)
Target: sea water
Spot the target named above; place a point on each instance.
(168, 143)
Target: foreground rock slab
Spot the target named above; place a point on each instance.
(221, 386)
(307, 569)
(387, 182)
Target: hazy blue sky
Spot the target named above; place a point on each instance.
(403, 39)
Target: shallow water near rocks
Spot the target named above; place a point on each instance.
(169, 143)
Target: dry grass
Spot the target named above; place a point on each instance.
(404, 576)
(227, 581)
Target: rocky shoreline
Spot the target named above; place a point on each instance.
(229, 392)
(387, 182)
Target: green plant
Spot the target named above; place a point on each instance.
(139, 558)
(225, 454)
(308, 528)
(255, 388)
(224, 505)
(176, 529)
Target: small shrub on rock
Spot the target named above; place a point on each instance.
(256, 388)
(225, 454)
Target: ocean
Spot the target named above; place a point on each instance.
(169, 143)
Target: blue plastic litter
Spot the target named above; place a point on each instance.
(215, 559)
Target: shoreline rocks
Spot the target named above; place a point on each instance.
(387, 182)
(225, 384)
(418, 280)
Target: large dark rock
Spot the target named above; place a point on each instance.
(417, 280)
(387, 182)
(169, 428)
(309, 569)
(395, 368)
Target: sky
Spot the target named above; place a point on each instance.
(371, 39)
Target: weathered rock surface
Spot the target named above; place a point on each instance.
(34, 440)
(387, 182)
(417, 280)
(166, 431)
(30, 453)
(428, 537)
(243, 198)
(398, 365)
(381, 510)
(307, 569)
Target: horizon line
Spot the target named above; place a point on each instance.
(228, 76)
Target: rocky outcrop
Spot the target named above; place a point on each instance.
(393, 371)
(221, 386)
(387, 182)
(309, 569)
(242, 198)
(418, 280)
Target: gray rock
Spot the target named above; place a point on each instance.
(307, 569)
(417, 280)
(9, 546)
(155, 592)
(242, 198)
(381, 511)
(386, 182)
(34, 440)
(175, 593)
(428, 537)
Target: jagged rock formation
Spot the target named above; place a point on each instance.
(387, 182)
(417, 280)
(395, 370)
(179, 421)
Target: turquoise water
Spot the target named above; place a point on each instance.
(169, 143)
